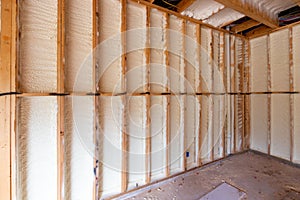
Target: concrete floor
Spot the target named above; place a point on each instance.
(260, 176)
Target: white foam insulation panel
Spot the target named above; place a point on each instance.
(191, 129)
(37, 148)
(158, 44)
(259, 64)
(223, 17)
(136, 121)
(296, 141)
(110, 143)
(192, 57)
(206, 59)
(259, 122)
(218, 125)
(79, 46)
(110, 49)
(177, 124)
(239, 65)
(158, 127)
(136, 38)
(38, 46)
(206, 129)
(79, 147)
(296, 58)
(218, 62)
(280, 126)
(176, 54)
(203, 9)
(279, 61)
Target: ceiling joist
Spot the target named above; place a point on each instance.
(184, 4)
(245, 26)
(250, 11)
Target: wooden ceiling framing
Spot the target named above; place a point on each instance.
(257, 21)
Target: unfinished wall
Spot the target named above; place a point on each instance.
(274, 102)
(146, 104)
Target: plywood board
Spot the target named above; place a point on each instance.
(280, 126)
(158, 137)
(38, 46)
(37, 143)
(259, 64)
(79, 147)
(110, 143)
(79, 46)
(259, 123)
(279, 60)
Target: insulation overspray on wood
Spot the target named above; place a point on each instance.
(206, 72)
(176, 54)
(158, 137)
(110, 167)
(110, 49)
(192, 56)
(136, 121)
(158, 44)
(38, 46)
(37, 142)
(191, 128)
(136, 43)
(279, 60)
(296, 58)
(79, 147)
(79, 46)
(259, 122)
(280, 126)
(259, 63)
(176, 148)
(296, 149)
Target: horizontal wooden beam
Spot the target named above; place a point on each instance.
(245, 26)
(258, 31)
(184, 4)
(250, 11)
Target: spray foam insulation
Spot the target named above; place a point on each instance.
(176, 54)
(176, 121)
(239, 123)
(218, 62)
(206, 61)
(79, 147)
(206, 129)
(218, 125)
(203, 9)
(280, 126)
(222, 17)
(158, 44)
(191, 129)
(110, 49)
(158, 136)
(279, 60)
(296, 57)
(239, 64)
(136, 121)
(259, 64)
(296, 150)
(37, 148)
(79, 46)
(192, 57)
(38, 46)
(110, 143)
(136, 44)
